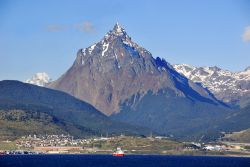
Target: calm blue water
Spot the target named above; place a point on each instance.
(127, 161)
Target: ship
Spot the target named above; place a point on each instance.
(118, 152)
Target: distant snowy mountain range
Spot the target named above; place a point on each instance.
(39, 79)
(230, 87)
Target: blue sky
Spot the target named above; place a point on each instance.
(44, 36)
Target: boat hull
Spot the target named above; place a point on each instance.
(118, 155)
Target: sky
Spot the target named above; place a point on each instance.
(45, 35)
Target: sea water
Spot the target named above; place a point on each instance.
(126, 161)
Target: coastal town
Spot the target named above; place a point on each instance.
(67, 144)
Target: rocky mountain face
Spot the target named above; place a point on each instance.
(39, 79)
(115, 69)
(230, 87)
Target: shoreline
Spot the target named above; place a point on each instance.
(131, 154)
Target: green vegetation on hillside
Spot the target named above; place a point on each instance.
(241, 136)
(15, 123)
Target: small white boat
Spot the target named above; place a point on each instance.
(119, 152)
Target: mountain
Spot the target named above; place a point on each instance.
(230, 87)
(39, 79)
(114, 69)
(29, 108)
(125, 82)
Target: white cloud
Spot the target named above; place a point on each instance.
(246, 34)
(55, 28)
(86, 26)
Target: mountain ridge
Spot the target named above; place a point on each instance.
(231, 87)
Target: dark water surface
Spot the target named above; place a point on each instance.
(127, 161)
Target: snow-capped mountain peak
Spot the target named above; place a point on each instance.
(118, 30)
(39, 79)
(106, 48)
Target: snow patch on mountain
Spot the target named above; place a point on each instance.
(105, 48)
(91, 48)
(39, 79)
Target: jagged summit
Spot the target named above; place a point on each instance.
(118, 30)
(114, 45)
(117, 26)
